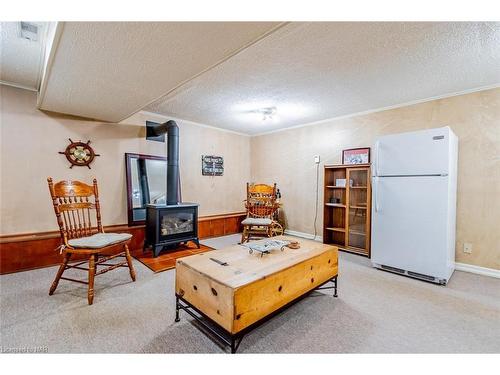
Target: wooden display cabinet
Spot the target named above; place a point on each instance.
(347, 207)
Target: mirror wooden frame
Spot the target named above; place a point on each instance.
(128, 173)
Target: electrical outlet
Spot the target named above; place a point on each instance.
(467, 248)
(316, 159)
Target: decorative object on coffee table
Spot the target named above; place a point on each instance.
(79, 153)
(356, 156)
(267, 247)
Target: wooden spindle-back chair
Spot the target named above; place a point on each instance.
(74, 206)
(261, 205)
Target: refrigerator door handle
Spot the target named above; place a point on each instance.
(375, 191)
(377, 146)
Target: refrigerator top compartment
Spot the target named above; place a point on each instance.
(420, 153)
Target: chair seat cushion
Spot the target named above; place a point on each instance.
(99, 240)
(256, 221)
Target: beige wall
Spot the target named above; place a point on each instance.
(286, 157)
(31, 139)
(216, 194)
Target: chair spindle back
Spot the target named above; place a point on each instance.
(261, 200)
(73, 206)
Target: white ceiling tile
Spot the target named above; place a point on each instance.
(315, 71)
(109, 70)
(21, 59)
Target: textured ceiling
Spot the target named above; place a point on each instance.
(21, 60)
(314, 71)
(109, 70)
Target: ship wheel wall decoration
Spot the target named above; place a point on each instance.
(79, 154)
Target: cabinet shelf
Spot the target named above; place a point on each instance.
(335, 187)
(358, 207)
(335, 205)
(359, 187)
(357, 233)
(336, 229)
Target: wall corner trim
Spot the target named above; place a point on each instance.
(307, 236)
(477, 270)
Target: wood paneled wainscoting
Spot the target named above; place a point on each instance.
(220, 225)
(22, 252)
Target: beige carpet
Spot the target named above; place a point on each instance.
(376, 312)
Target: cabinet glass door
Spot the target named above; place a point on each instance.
(358, 209)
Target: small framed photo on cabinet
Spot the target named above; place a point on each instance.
(356, 156)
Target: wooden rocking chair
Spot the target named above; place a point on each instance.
(72, 208)
(261, 205)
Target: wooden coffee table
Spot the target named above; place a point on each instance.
(230, 291)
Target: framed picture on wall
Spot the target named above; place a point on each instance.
(212, 165)
(356, 155)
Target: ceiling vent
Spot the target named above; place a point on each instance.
(29, 31)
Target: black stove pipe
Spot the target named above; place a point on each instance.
(172, 130)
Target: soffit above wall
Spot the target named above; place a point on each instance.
(321, 70)
(109, 70)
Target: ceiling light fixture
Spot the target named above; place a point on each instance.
(267, 113)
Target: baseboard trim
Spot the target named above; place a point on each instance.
(458, 266)
(304, 235)
(477, 270)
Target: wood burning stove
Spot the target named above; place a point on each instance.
(169, 225)
(172, 223)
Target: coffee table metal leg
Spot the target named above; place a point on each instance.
(177, 309)
(334, 287)
(235, 343)
(335, 290)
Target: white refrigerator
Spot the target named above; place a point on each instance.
(414, 204)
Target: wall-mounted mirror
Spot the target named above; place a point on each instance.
(146, 183)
